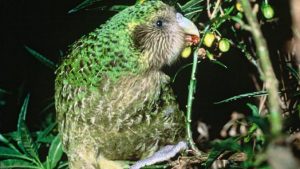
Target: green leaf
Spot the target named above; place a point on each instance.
(14, 136)
(3, 139)
(13, 163)
(252, 94)
(41, 135)
(227, 144)
(4, 91)
(190, 5)
(63, 165)
(262, 123)
(118, 8)
(23, 112)
(293, 72)
(26, 141)
(181, 69)
(41, 58)
(47, 139)
(192, 8)
(219, 147)
(55, 152)
(254, 109)
(10, 153)
(83, 5)
(219, 63)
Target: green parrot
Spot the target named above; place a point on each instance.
(113, 102)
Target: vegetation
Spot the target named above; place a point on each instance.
(267, 138)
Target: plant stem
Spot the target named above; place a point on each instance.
(267, 75)
(192, 87)
(192, 90)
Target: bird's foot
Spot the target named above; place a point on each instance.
(161, 155)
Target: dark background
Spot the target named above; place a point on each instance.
(46, 26)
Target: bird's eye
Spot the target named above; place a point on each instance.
(159, 23)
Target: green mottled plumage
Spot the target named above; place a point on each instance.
(112, 100)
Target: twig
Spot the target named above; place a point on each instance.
(216, 8)
(207, 8)
(192, 90)
(267, 75)
(295, 14)
(192, 87)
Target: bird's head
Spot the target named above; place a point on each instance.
(159, 32)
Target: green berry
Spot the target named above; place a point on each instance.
(267, 11)
(224, 45)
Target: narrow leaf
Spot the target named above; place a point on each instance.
(294, 72)
(55, 152)
(252, 94)
(118, 8)
(219, 147)
(14, 136)
(254, 109)
(41, 135)
(63, 165)
(26, 142)
(83, 5)
(3, 139)
(13, 163)
(11, 153)
(4, 91)
(41, 58)
(190, 4)
(219, 63)
(23, 112)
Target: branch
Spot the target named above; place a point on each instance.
(295, 14)
(267, 74)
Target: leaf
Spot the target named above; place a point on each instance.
(41, 135)
(227, 144)
(252, 94)
(26, 141)
(83, 5)
(50, 105)
(181, 69)
(213, 155)
(14, 136)
(5, 150)
(63, 165)
(254, 109)
(293, 72)
(261, 122)
(23, 112)
(41, 58)
(118, 8)
(219, 63)
(190, 5)
(192, 8)
(219, 147)
(3, 139)
(10, 153)
(4, 91)
(13, 163)
(55, 152)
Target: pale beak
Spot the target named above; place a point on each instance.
(187, 25)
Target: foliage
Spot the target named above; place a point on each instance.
(20, 149)
(265, 133)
